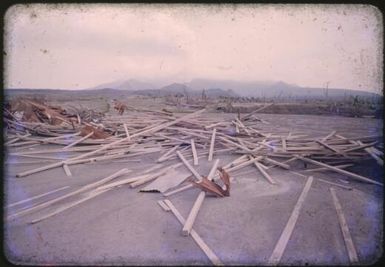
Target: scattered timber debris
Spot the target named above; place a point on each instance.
(176, 138)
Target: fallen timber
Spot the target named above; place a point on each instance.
(178, 143)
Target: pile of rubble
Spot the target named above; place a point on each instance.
(174, 137)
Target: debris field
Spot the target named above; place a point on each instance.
(57, 139)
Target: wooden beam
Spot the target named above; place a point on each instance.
(209, 253)
(78, 141)
(335, 184)
(194, 152)
(325, 169)
(152, 176)
(193, 171)
(82, 189)
(280, 164)
(264, 173)
(68, 206)
(328, 136)
(163, 205)
(147, 131)
(344, 228)
(36, 197)
(350, 174)
(287, 231)
(198, 203)
(211, 151)
(126, 130)
(284, 146)
(67, 170)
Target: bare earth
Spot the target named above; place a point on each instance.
(126, 227)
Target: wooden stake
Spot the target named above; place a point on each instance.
(211, 152)
(285, 236)
(209, 253)
(344, 228)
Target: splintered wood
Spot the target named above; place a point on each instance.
(180, 141)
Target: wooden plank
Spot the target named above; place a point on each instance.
(264, 173)
(122, 182)
(335, 184)
(288, 230)
(284, 146)
(67, 170)
(104, 147)
(126, 130)
(36, 197)
(163, 205)
(344, 228)
(329, 147)
(152, 176)
(325, 169)
(328, 136)
(198, 203)
(183, 188)
(78, 141)
(350, 174)
(280, 164)
(193, 171)
(211, 151)
(82, 189)
(68, 206)
(209, 253)
(194, 152)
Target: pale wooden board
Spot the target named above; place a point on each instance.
(352, 253)
(288, 230)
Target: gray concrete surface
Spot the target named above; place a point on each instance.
(125, 227)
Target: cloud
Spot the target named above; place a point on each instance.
(85, 45)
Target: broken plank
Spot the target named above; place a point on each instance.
(198, 203)
(209, 253)
(287, 231)
(344, 228)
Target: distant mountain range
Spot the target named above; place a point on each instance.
(231, 88)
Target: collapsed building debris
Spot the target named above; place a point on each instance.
(177, 139)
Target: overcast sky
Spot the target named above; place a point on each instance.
(81, 46)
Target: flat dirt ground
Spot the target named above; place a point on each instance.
(126, 227)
